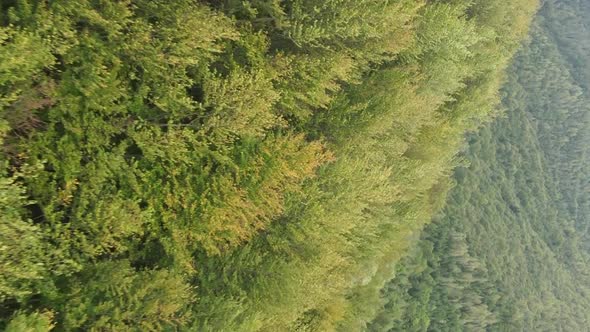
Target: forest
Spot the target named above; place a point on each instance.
(510, 250)
(294, 165)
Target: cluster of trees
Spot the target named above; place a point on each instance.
(509, 252)
(557, 100)
(230, 165)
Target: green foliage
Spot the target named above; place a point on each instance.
(22, 255)
(24, 56)
(113, 296)
(28, 260)
(35, 322)
(231, 165)
(509, 251)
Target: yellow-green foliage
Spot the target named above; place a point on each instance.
(34, 322)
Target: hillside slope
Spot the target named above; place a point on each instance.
(510, 252)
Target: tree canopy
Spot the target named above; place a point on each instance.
(509, 252)
(255, 165)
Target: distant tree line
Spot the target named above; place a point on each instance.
(509, 252)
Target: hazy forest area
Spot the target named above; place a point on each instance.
(510, 251)
(294, 165)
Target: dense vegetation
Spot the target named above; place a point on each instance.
(230, 165)
(510, 251)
